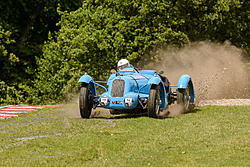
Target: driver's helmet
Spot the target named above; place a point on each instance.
(123, 63)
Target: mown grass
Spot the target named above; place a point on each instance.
(210, 136)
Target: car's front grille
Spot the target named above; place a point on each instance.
(117, 88)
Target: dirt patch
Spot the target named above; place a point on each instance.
(224, 102)
(72, 110)
(172, 111)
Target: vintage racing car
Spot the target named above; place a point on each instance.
(130, 90)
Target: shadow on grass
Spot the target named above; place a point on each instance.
(121, 116)
(138, 115)
(170, 112)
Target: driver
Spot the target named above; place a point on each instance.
(123, 63)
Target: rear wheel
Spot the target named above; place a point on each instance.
(183, 98)
(154, 102)
(85, 102)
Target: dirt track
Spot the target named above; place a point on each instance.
(224, 102)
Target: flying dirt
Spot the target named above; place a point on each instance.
(217, 70)
(220, 72)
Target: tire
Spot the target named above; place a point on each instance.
(183, 98)
(85, 102)
(154, 102)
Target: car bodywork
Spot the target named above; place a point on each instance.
(129, 89)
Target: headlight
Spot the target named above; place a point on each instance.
(128, 101)
(104, 101)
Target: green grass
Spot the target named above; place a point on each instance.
(210, 136)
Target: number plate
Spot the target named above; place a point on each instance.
(116, 102)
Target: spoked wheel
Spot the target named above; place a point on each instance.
(85, 101)
(183, 98)
(154, 102)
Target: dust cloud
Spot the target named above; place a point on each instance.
(172, 111)
(72, 107)
(71, 110)
(218, 71)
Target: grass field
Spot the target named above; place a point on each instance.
(209, 136)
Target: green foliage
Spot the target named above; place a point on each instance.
(9, 94)
(8, 60)
(24, 26)
(93, 38)
(4, 42)
(216, 20)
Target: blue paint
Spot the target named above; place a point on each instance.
(137, 86)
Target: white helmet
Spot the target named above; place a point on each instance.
(123, 63)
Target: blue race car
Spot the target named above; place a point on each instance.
(130, 91)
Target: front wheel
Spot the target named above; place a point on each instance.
(85, 102)
(154, 102)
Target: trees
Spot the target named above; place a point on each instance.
(93, 37)
(216, 20)
(24, 26)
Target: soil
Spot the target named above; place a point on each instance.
(224, 102)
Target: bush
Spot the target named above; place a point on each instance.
(9, 94)
(93, 38)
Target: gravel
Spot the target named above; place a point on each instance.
(224, 102)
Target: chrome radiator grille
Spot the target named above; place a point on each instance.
(117, 88)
